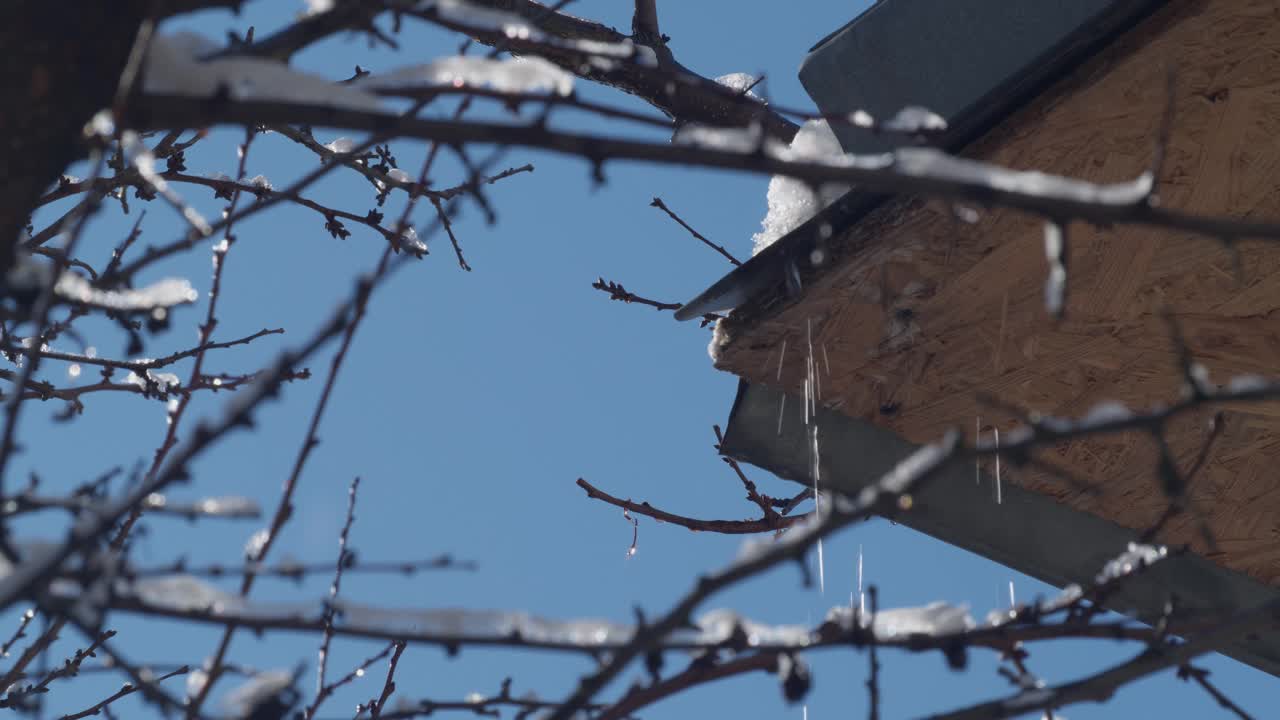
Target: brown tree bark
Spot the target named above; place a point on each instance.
(63, 61)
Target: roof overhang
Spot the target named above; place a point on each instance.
(996, 71)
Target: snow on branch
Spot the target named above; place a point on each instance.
(518, 75)
(162, 295)
(924, 171)
(179, 64)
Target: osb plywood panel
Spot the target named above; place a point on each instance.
(919, 313)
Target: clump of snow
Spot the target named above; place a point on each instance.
(398, 175)
(480, 18)
(512, 25)
(728, 139)
(936, 618)
(315, 7)
(176, 66)
(196, 680)
(266, 687)
(261, 181)
(792, 202)
(229, 506)
(516, 75)
(718, 626)
(256, 542)
(410, 241)
(184, 593)
(740, 83)
(915, 119)
(1107, 412)
(640, 54)
(341, 145)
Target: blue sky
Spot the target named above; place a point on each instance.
(472, 401)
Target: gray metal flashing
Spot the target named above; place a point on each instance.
(1026, 531)
(972, 62)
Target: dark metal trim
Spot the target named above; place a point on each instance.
(1027, 532)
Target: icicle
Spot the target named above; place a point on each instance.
(977, 461)
(822, 580)
(817, 505)
(811, 366)
(806, 402)
(782, 356)
(999, 494)
(782, 406)
(1013, 602)
(862, 596)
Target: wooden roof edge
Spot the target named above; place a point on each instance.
(778, 273)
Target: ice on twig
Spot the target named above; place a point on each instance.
(1247, 384)
(256, 542)
(162, 381)
(181, 64)
(516, 27)
(1136, 557)
(228, 506)
(516, 75)
(1107, 412)
(938, 165)
(482, 18)
(1055, 287)
(164, 294)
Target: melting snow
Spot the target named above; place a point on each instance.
(791, 201)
